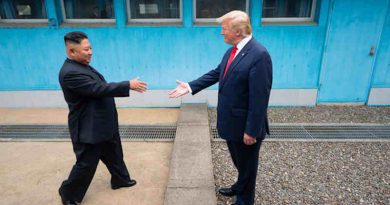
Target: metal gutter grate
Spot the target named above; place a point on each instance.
(168, 132)
(324, 132)
(148, 132)
(127, 132)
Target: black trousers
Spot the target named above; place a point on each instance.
(246, 160)
(88, 156)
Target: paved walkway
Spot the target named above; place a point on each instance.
(59, 116)
(31, 172)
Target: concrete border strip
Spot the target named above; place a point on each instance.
(191, 179)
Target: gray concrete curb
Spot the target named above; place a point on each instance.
(191, 179)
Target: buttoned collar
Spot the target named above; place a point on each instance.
(243, 42)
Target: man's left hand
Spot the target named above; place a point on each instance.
(249, 140)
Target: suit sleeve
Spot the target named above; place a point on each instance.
(260, 83)
(205, 81)
(84, 85)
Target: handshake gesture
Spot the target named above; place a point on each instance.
(181, 89)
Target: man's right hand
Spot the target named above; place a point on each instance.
(180, 90)
(138, 85)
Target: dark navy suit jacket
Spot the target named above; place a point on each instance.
(243, 93)
(92, 115)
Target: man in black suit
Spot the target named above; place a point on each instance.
(92, 120)
(245, 81)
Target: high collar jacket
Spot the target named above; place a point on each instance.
(92, 115)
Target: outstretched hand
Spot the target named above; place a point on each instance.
(138, 85)
(179, 91)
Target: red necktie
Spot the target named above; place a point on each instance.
(231, 57)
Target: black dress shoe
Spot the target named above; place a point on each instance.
(130, 183)
(65, 201)
(227, 192)
(69, 203)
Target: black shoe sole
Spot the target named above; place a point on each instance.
(123, 186)
(230, 194)
(64, 201)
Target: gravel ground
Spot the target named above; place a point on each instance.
(313, 173)
(325, 114)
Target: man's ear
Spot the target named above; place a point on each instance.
(70, 51)
(238, 33)
(72, 48)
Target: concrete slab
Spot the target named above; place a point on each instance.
(181, 196)
(56, 116)
(191, 165)
(192, 133)
(194, 114)
(31, 172)
(191, 179)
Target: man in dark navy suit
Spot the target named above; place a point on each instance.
(92, 120)
(245, 81)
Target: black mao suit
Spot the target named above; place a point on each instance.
(243, 97)
(93, 126)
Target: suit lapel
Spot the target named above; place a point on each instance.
(235, 62)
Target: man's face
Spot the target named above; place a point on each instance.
(229, 35)
(82, 52)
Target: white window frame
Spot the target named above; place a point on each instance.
(66, 20)
(23, 20)
(292, 19)
(212, 20)
(154, 20)
(46, 20)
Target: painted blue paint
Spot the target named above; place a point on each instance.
(187, 13)
(52, 14)
(381, 77)
(347, 67)
(120, 10)
(255, 12)
(296, 54)
(30, 58)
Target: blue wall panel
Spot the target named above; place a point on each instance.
(296, 54)
(158, 54)
(347, 68)
(382, 68)
(30, 58)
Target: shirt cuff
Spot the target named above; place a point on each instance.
(189, 88)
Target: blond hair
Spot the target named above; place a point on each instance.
(239, 20)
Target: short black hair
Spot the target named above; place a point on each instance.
(75, 37)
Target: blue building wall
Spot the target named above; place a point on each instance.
(381, 77)
(350, 50)
(30, 58)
